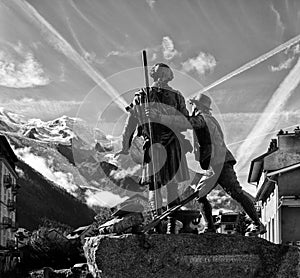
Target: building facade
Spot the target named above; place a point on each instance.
(8, 191)
(276, 175)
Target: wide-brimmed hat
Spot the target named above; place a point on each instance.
(202, 100)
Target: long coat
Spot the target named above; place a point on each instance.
(168, 145)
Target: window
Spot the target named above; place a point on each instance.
(4, 238)
(229, 227)
(273, 230)
(5, 173)
(5, 195)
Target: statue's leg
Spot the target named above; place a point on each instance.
(173, 200)
(155, 202)
(172, 194)
(229, 182)
(207, 214)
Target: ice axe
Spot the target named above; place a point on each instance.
(147, 106)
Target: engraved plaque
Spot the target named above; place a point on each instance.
(200, 259)
(245, 264)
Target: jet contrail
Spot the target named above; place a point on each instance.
(261, 135)
(90, 23)
(63, 46)
(75, 37)
(251, 64)
(270, 116)
(82, 15)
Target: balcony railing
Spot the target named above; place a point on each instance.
(7, 181)
(6, 222)
(11, 205)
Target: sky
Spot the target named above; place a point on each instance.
(83, 58)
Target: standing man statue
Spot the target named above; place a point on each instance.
(211, 151)
(168, 146)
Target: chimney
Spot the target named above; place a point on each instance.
(280, 132)
(289, 142)
(273, 145)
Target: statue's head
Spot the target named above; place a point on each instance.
(161, 72)
(202, 102)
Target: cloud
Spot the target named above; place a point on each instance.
(91, 57)
(45, 167)
(63, 46)
(36, 45)
(19, 48)
(154, 57)
(291, 52)
(168, 48)
(103, 198)
(120, 53)
(279, 23)
(128, 54)
(202, 64)
(122, 173)
(62, 76)
(284, 65)
(296, 49)
(20, 69)
(151, 3)
(31, 108)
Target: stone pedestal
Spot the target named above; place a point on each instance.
(188, 255)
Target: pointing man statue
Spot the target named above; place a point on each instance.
(211, 151)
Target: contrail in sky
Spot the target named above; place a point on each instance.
(261, 135)
(89, 22)
(75, 37)
(63, 46)
(270, 116)
(82, 15)
(251, 64)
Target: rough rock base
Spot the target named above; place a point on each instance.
(188, 255)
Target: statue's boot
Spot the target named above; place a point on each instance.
(207, 214)
(156, 208)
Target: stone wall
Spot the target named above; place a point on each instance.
(188, 255)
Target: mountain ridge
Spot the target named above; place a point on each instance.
(71, 158)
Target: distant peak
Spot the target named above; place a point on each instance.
(12, 116)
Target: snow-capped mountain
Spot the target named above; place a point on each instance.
(62, 130)
(72, 154)
(78, 158)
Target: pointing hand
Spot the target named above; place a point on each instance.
(121, 152)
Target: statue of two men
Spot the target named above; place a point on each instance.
(166, 164)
